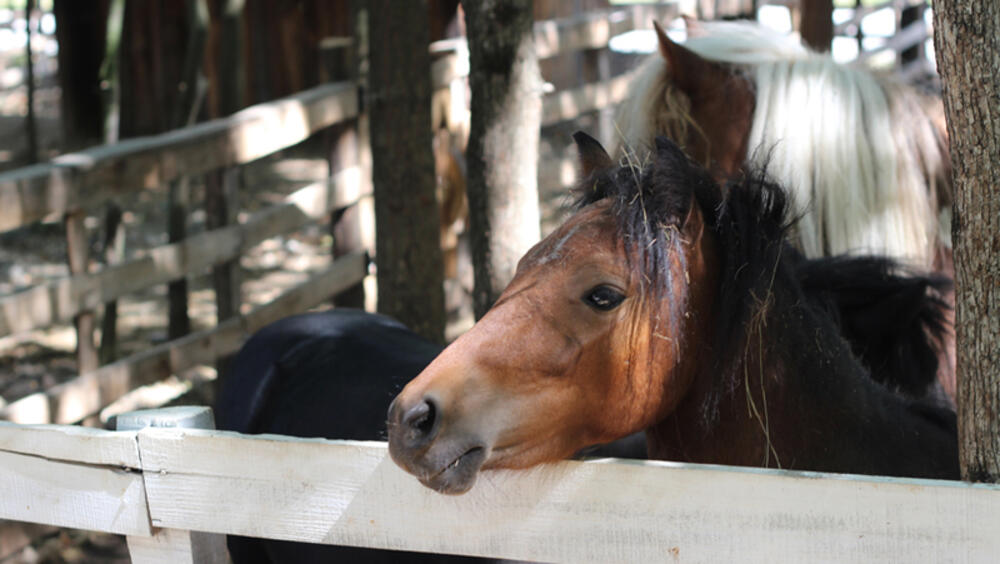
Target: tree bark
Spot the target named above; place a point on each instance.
(816, 24)
(407, 218)
(81, 29)
(223, 63)
(502, 154)
(31, 129)
(967, 43)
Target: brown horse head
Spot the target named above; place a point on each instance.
(583, 346)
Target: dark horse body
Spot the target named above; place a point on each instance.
(331, 374)
(669, 304)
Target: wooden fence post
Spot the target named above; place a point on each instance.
(78, 257)
(342, 148)
(114, 253)
(178, 195)
(221, 209)
(597, 63)
(174, 545)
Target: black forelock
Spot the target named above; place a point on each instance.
(651, 202)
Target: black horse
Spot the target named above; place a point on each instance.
(331, 375)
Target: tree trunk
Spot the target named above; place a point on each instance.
(967, 42)
(816, 24)
(157, 86)
(81, 29)
(502, 154)
(407, 218)
(161, 53)
(31, 129)
(223, 61)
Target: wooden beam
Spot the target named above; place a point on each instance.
(70, 443)
(913, 34)
(72, 477)
(90, 392)
(83, 179)
(61, 299)
(72, 495)
(171, 546)
(571, 104)
(352, 493)
(593, 30)
(553, 37)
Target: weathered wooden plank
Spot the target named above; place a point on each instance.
(79, 180)
(78, 259)
(593, 30)
(347, 271)
(67, 494)
(71, 443)
(909, 36)
(449, 67)
(570, 104)
(88, 393)
(352, 493)
(61, 299)
(172, 546)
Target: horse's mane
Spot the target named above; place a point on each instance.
(758, 269)
(861, 155)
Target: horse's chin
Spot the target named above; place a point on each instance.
(457, 476)
(445, 466)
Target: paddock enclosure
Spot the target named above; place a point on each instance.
(173, 491)
(163, 487)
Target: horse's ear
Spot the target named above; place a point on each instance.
(593, 157)
(687, 69)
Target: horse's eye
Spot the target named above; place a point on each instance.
(603, 298)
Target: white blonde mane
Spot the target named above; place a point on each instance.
(858, 154)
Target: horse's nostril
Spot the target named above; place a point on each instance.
(420, 420)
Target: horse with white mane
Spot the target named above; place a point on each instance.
(864, 156)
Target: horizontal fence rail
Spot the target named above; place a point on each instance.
(86, 178)
(59, 300)
(90, 392)
(593, 30)
(600, 511)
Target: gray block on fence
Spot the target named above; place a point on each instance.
(174, 545)
(184, 417)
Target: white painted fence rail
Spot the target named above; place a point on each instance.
(340, 492)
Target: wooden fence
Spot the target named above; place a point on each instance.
(165, 488)
(170, 490)
(72, 184)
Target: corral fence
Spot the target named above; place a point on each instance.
(173, 491)
(73, 188)
(170, 490)
(72, 185)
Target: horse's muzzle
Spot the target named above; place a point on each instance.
(445, 464)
